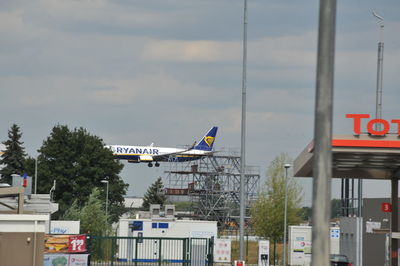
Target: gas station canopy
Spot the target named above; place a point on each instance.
(356, 156)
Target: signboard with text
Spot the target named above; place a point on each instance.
(222, 250)
(371, 125)
(65, 259)
(65, 243)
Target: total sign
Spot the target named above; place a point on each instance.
(371, 123)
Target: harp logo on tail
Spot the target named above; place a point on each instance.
(209, 140)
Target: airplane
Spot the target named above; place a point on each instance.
(150, 154)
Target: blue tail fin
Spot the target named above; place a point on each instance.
(207, 142)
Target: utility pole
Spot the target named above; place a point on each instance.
(243, 138)
(379, 74)
(287, 166)
(322, 166)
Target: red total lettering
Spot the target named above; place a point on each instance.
(371, 123)
(357, 121)
(397, 121)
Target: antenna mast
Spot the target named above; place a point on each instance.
(379, 75)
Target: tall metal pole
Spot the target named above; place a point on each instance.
(394, 245)
(107, 204)
(322, 168)
(379, 74)
(285, 215)
(36, 175)
(359, 212)
(243, 138)
(106, 182)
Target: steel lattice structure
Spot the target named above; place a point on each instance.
(212, 183)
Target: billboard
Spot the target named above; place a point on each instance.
(65, 243)
(65, 260)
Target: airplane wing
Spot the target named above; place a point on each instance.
(165, 156)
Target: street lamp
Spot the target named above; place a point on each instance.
(106, 182)
(287, 166)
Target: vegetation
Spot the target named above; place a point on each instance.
(305, 214)
(13, 157)
(92, 215)
(251, 251)
(78, 162)
(154, 194)
(336, 208)
(268, 210)
(183, 206)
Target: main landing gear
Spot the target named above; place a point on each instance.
(150, 164)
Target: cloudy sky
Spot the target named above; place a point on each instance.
(165, 71)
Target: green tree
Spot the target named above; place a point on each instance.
(14, 155)
(336, 208)
(268, 211)
(92, 215)
(78, 162)
(73, 213)
(305, 213)
(154, 194)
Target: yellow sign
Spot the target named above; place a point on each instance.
(209, 140)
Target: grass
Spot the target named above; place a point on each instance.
(251, 252)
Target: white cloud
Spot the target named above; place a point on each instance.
(296, 50)
(191, 51)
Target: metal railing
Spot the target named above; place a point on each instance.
(111, 250)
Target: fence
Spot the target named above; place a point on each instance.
(137, 251)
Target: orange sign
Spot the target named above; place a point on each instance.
(371, 123)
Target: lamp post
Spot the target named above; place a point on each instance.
(36, 159)
(287, 166)
(106, 182)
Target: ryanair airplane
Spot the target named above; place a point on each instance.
(150, 154)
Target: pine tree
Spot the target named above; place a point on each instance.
(154, 194)
(14, 155)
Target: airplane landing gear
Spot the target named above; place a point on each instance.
(150, 165)
(157, 164)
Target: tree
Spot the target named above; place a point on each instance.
(305, 213)
(14, 155)
(78, 162)
(268, 211)
(73, 213)
(92, 215)
(336, 208)
(154, 194)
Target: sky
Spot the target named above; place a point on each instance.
(165, 71)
